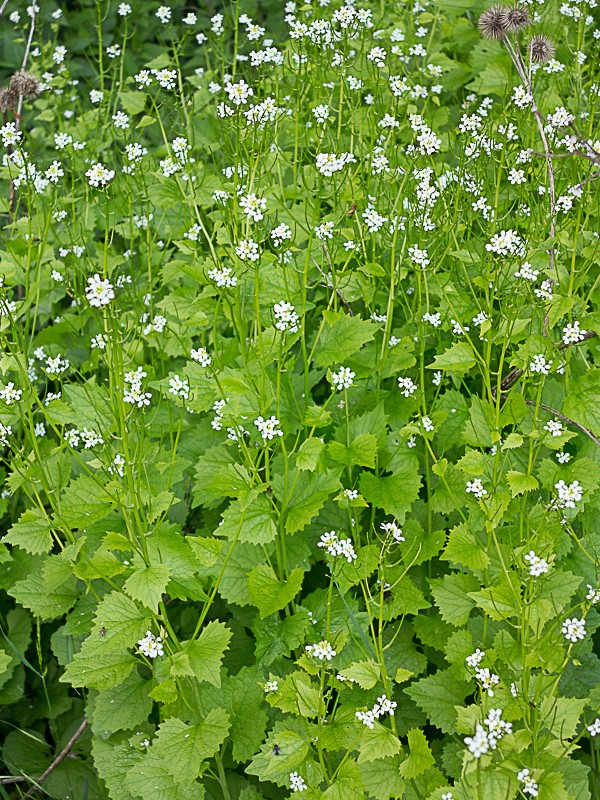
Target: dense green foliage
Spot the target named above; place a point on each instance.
(299, 401)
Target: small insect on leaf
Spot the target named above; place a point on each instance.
(351, 210)
(102, 632)
(276, 750)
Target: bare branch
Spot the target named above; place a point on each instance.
(570, 421)
(60, 757)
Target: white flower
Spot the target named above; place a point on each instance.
(121, 120)
(537, 566)
(539, 364)
(338, 547)
(574, 629)
(427, 423)
(373, 220)
(321, 113)
(554, 427)
(594, 728)
(530, 787)
(527, 272)
(179, 387)
(419, 257)
(268, 428)
(238, 93)
(247, 250)
(393, 529)
(572, 333)
(280, 234)
(5, 432)
(517, 176)
(475, 487)
(329, 163)
(487, 679)
(297, 783)
(568, 494)
(56, 366)
(343, 378)
(271, 686)
(478, 744)
(593, 594)
(253, 206)
(475, 659)
(407, 386)
(321, 650)
(164, 14)
(151, 645)
(286, 316)
(324, 231)
(223, 277)
(506, 243)
(201, 356)
(99, 175)
(99, 291)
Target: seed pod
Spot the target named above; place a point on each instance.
(494, 22)
(541, 49)
(24, 84)
(518, 19)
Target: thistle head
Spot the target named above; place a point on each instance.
(494, 22)
(24, 84)
(541, 49)
(518, 19)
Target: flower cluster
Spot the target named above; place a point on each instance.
(382, 707)
(338, 547)
(151, 645)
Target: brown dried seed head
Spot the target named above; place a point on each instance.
(518, 18)
(24, 84)
(541, 48)
(494, 23)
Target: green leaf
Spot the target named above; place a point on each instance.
(123, 707)
(243, 699)
(361, 452)
(105, 660)
(561, 715)
(365, 673)
(457, 358)
(395, 493)
(292, 742)
(582, 403)
(172, 763)
(31, 532)
(309, 453)
(48, 592)
(341, 337)
(250, 519)
(420, 757)
(479, 426)
(382, 777)
(308, 495)
(348, 784)
(206, 653)
(500, 601)
(147, 585)
(268, 593)
(437, 695)
(84, 502)
(377, 742)
(520, 483)
(132, 102)
(467, 548)
(451, 595)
